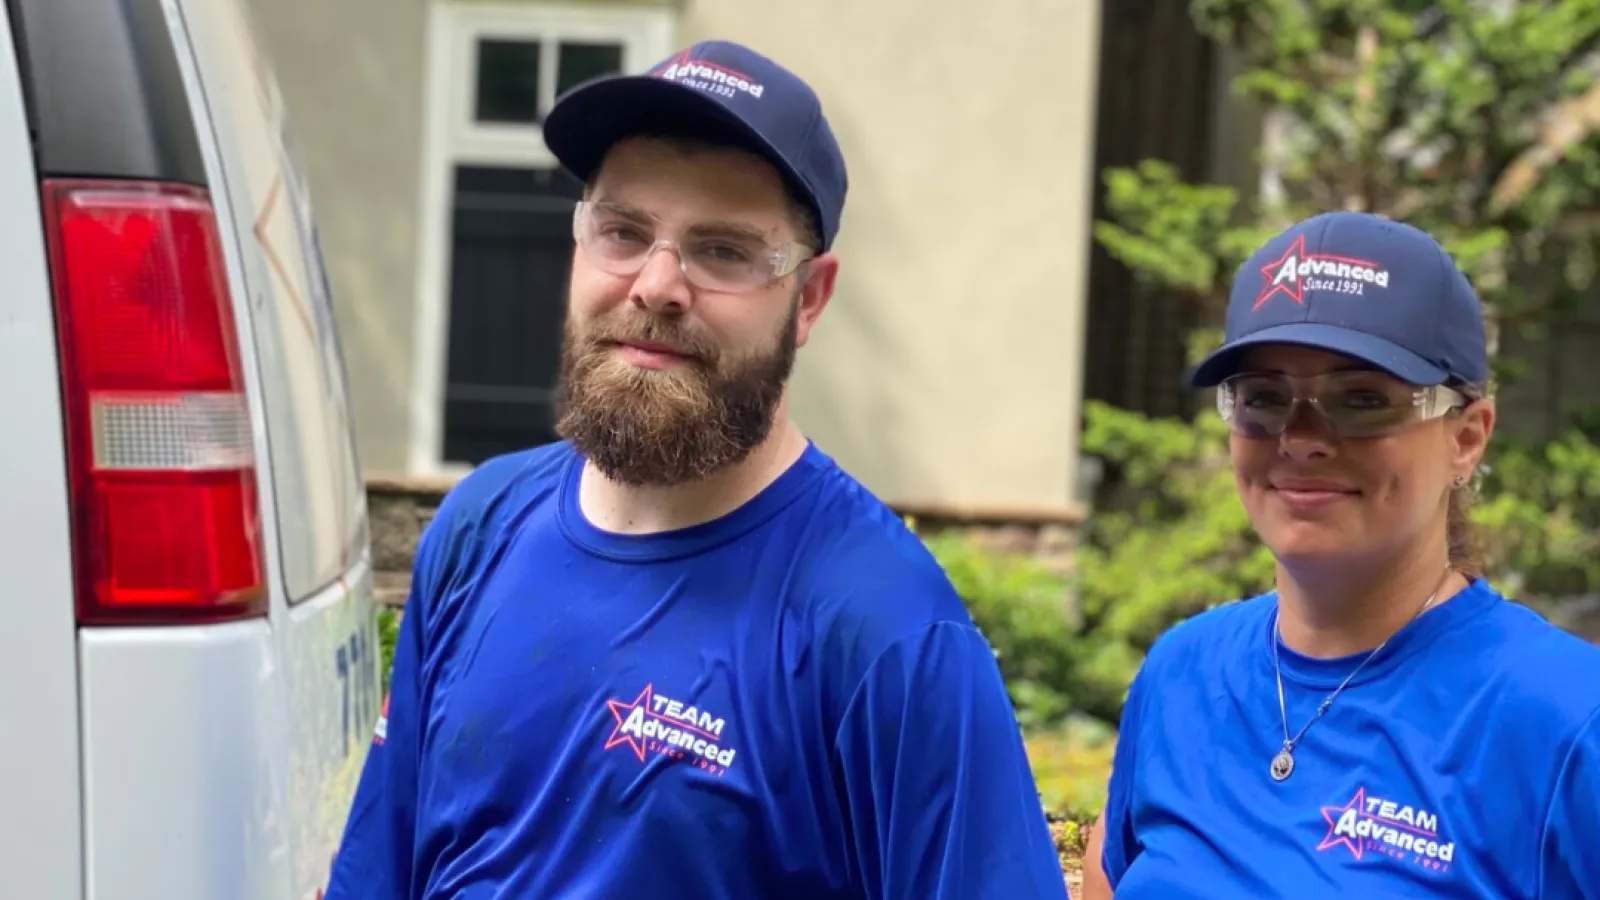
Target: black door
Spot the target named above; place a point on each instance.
(511, 249)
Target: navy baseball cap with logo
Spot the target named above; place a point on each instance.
(726, 90)
(1357, 284)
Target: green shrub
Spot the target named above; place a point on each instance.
(1023, 609)
(1539, 520)
(1071, 644)
(1071, 763)
(388, 630)
(1179, 544)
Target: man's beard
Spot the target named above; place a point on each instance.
(667, 427)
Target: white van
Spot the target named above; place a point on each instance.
(188, 658)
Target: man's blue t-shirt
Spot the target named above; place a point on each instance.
(1462, 762)
(788, 702)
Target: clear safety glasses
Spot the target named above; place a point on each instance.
(620, 240)
(1356, 404)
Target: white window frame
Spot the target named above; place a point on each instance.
(451, 137)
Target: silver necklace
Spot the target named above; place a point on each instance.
(1283, 762)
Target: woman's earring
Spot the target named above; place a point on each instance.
(1460, 482)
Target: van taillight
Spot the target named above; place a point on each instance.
(160, 447)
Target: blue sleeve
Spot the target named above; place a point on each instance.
(1119, 845)
(941, 800)
(1570, 851)
(374, 860)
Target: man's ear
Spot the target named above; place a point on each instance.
(820, 273)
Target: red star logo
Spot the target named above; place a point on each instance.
(677, 59)
(1332, 814)
(620, 711)
(1289, 283)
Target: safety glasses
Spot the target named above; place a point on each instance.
(1354, 404)
(620, 240)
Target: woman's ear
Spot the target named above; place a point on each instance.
(1473, 428)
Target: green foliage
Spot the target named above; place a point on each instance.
(1070, 762)
(1182, 545)
(388, 631)
(1022, 608)
(1170, 232)
(1460, 116)
(1539, 520)
(1069, 644)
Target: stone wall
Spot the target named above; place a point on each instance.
(401, 508)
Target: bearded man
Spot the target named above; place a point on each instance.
(681, 653)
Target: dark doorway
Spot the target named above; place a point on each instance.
(1156, 100)
(511, 248)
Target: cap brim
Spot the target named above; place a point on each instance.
(589, 119)
(1375, 351)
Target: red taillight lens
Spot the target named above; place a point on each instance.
(161, 450)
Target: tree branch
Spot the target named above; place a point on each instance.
(1569, 122)
(1502, 167)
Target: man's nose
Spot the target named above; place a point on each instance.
(661, 285)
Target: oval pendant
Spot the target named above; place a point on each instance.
(1282, 765)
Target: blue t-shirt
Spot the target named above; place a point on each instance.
(788, 702)
(1462, 762)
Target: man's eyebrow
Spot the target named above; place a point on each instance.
(729, 229)
(632, 212)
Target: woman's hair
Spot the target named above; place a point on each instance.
(1461, 535)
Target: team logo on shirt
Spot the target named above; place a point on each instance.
(656, 723)
(1369, 825)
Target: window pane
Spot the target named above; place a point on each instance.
(508, 82)
(578, 62)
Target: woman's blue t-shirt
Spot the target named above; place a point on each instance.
(1462, 762)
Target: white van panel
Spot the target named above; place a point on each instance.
(331, 646)
(185, 760)
(204, 774)
(40, 844)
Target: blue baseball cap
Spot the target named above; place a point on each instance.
(725, 90)
(1360, 285)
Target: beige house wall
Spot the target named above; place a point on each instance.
(948, 370)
